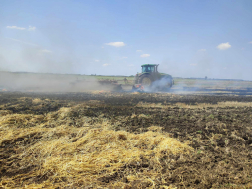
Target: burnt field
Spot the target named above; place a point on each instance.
(125, 140)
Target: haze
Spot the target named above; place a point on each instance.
(188, 38)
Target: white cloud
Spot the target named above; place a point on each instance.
(193, 64)
(145, 55)
(224, 46)
(46, 51)
(139, 51)
(116, 44)
(202, 50)
(32, 28)
(250, 42)
(97, 60)
(15, 27)
(104, 65)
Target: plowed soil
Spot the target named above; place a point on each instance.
(218, 128)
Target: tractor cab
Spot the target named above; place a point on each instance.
(149, 68)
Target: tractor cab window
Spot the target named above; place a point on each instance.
(148, 69)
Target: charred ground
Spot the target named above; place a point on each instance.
(217, 127)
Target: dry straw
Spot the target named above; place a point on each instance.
(68, 156)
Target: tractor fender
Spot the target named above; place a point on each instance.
(145, 75)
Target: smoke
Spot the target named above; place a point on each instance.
(45, 61)
(33, 82)
(3, 63)
(163, 84)
(53, 48)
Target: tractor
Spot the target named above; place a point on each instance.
(151, 80)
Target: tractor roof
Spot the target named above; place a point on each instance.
(149, 65)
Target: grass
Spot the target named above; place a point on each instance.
(212, 83)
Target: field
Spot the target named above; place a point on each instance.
(125, 140)
(64, 82)
(68, 131)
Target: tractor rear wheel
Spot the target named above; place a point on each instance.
(145, 81)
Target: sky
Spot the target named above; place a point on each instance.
(187, 38)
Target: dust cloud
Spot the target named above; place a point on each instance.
(44, 65)
(34, 82)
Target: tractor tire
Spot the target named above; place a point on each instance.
(146, 81)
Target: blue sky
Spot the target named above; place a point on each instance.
(188, 38)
